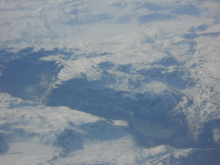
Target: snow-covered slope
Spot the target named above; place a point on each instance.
(147, 69)
(36, 134)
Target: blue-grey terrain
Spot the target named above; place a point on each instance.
(117, 82)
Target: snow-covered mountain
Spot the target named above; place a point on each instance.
(141, 76)
(36, 134)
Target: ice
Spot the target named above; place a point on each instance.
(28, 148)
(150, 129)
(191, 92)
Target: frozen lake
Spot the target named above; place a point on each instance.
(191, 92)
(29, 148)
(151, 129)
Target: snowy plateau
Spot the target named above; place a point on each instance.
(110, 82)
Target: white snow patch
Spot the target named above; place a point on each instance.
(216, 135)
